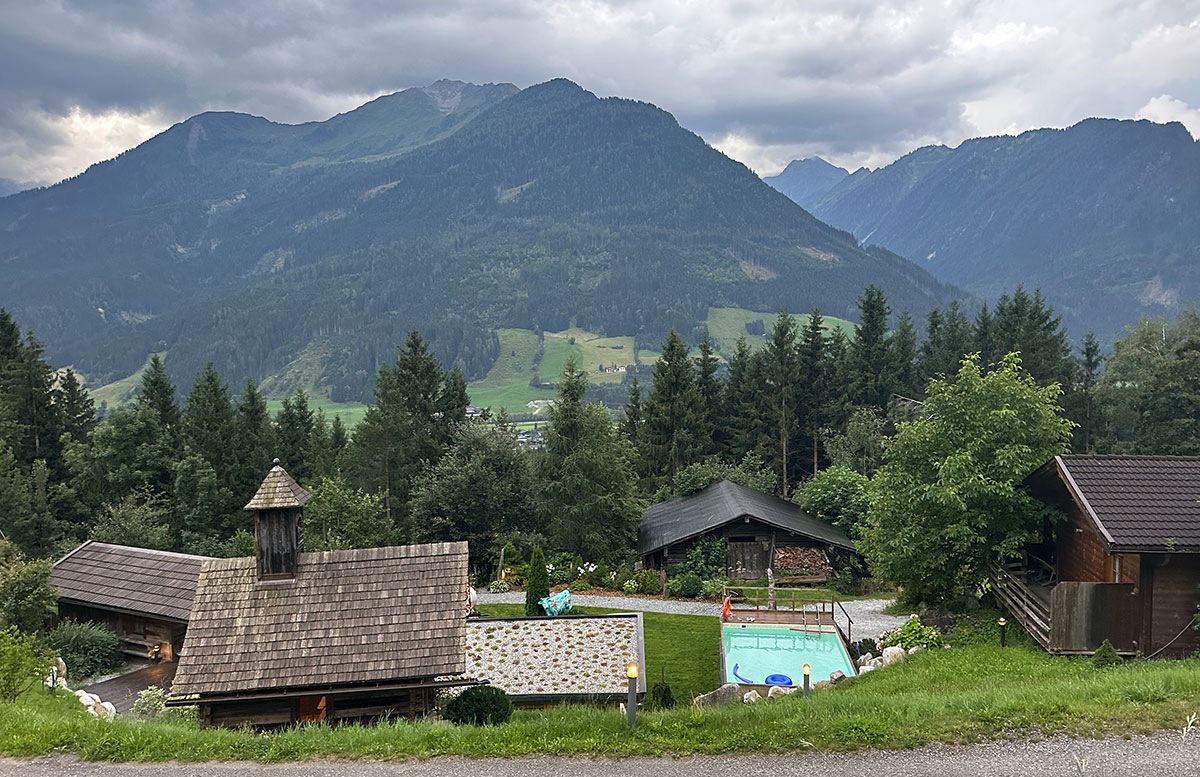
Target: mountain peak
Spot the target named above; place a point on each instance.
(807, 180)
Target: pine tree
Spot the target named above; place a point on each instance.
(870, 361)
(709, 388)
(632, 423)
(158, 393)
(902, 348)
(739, 413)
(948, 339)
(812, 389)
(253, 441)
(27, 387)
(78, 409)
(537, 587)
(675, 424)
(293, 432)
(208, 423)
(776, 397)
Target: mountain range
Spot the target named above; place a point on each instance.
(301, 254)
(1101, 216)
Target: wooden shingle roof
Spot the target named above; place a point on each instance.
(350, 617)
(278, 491)
(1146, 504)
(684, 517)
(128, 579)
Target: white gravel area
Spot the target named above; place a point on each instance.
(867, 614)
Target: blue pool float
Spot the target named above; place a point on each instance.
(778, 679)
(738, 676)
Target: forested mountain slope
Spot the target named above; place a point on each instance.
(306, 252)
(1101, 216)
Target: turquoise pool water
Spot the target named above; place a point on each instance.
(758, 651)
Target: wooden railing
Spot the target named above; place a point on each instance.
(1008, 583)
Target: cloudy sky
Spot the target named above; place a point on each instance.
(854, 81)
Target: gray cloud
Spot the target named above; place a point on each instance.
(856, 81)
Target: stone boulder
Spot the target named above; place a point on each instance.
(779, 691)
(752, 697)
(914, 649)
(726, 694)
(836, 677)
(866, 668)
(893, 655)
(865, 659)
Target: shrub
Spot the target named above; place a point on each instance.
(538, 586)
(624, 574)
(482, 705)
(27, 600)
(499, 587)
(687, 585)
(1105, 656)
(86, 648)
(648, 582)
(864, 646)
(662, 696)
(712, 589)
(599, 576)
(630, 586)
(151, 703)
(23, 663)
(706, 558)
(912, 634)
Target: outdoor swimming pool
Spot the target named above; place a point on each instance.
(754, 652)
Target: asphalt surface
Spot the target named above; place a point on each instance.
(1162, 755)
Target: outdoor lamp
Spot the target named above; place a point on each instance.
(807, 674)
(1002, 623)
(631, 671)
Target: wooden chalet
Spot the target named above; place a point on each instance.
(144, 595)
(344, 635)
(1124, 566)
(752, 523)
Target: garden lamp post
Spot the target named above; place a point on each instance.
(1003, 624)
(807, 676)
(631, 671)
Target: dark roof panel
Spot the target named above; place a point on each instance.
(1143, 503)
(349, 617)
(666, 523)
(121, 577)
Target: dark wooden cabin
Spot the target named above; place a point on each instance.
(344, 635)
(1123, 566)
(144, 595)
(753, 524)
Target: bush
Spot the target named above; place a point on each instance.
(624, 574)
(599, 576)
(538, 586)
(1105, 656)
(714, 588)
(912, 634)
(662, 696)
(687, 585)
(630, 586)
(706, 558)
(27, 600)
(86, 648)
(648, 582)
(864, 646)
(499, 587)
(151, 703)
(23, 663)
(482, 705)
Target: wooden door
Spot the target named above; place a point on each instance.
(747, 560)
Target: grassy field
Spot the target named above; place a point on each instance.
(725, 325)
(351, 412)
(961, 695)
(681, 649)
(120, 392)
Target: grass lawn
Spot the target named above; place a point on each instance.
(120, 392)
(682, 649)
(351, 412)
(961, 695)
(725, 325)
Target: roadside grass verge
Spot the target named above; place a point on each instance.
(956, 696)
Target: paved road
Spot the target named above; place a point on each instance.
(867, 614)
(1163, 755)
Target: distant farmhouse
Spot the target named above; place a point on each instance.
(144, 595)
(345, 635)
(753, 524)
(1124, 566)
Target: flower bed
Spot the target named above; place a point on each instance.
(567, 656)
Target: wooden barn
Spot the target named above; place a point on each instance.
(1123, 566)
(345, 635)
(144, 595)
(753, 524)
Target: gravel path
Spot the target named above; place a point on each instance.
(1161, 755)
(867, 614)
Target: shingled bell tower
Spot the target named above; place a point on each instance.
(278, 508)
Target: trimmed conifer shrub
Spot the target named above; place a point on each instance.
(538, 585)
(482, 705)
(1105, 656)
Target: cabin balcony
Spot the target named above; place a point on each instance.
(1067, 617)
